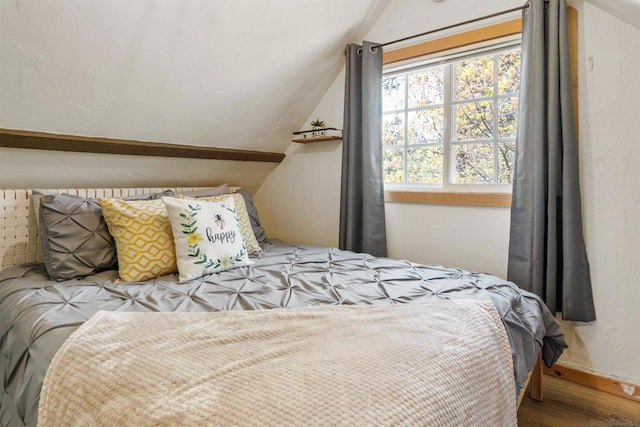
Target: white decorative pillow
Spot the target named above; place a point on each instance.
(244, 220)
(206, 235)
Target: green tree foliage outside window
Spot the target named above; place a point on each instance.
(467, 108)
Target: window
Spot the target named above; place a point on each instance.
(452, 124)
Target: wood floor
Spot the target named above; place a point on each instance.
(569, 404)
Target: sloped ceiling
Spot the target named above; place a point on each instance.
(234, 73)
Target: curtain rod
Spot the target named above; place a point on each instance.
(504, 12)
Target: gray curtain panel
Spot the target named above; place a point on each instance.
(546, 250)
(362, 220)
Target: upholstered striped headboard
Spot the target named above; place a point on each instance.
(18, 228)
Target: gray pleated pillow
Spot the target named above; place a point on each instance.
(74, 237)
(37, 194)
(208, 192)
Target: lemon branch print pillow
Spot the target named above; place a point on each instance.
(206, 235)
(243, 218)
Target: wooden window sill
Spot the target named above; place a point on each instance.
(497, 200)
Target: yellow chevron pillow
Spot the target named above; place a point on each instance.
(144, 241)
(243, 218)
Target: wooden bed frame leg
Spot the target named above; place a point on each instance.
(536, 380)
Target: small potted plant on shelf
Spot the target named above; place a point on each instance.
(315, 126)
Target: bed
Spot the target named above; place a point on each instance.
(38, 315)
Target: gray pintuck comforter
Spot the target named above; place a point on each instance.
(37, 315)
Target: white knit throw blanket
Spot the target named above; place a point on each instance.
(439, 364)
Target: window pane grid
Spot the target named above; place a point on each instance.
(433, 107)
(406, 129)
(449, 127)
(496, 118)
(432, 144)
(479, 141)
(484, 98)
(458, 128)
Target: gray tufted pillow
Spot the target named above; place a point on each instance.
(208, 192)
(74, 237)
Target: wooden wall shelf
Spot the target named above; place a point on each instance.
(329, 134)
(13, 138)
(317, 139)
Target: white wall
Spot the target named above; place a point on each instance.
(471, 238)
(299, 201)
(610, 172)
(56, 169)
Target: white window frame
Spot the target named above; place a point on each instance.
(449, 58)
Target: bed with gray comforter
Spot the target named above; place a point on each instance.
(37, 315)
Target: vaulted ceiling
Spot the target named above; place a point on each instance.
(224, 73)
